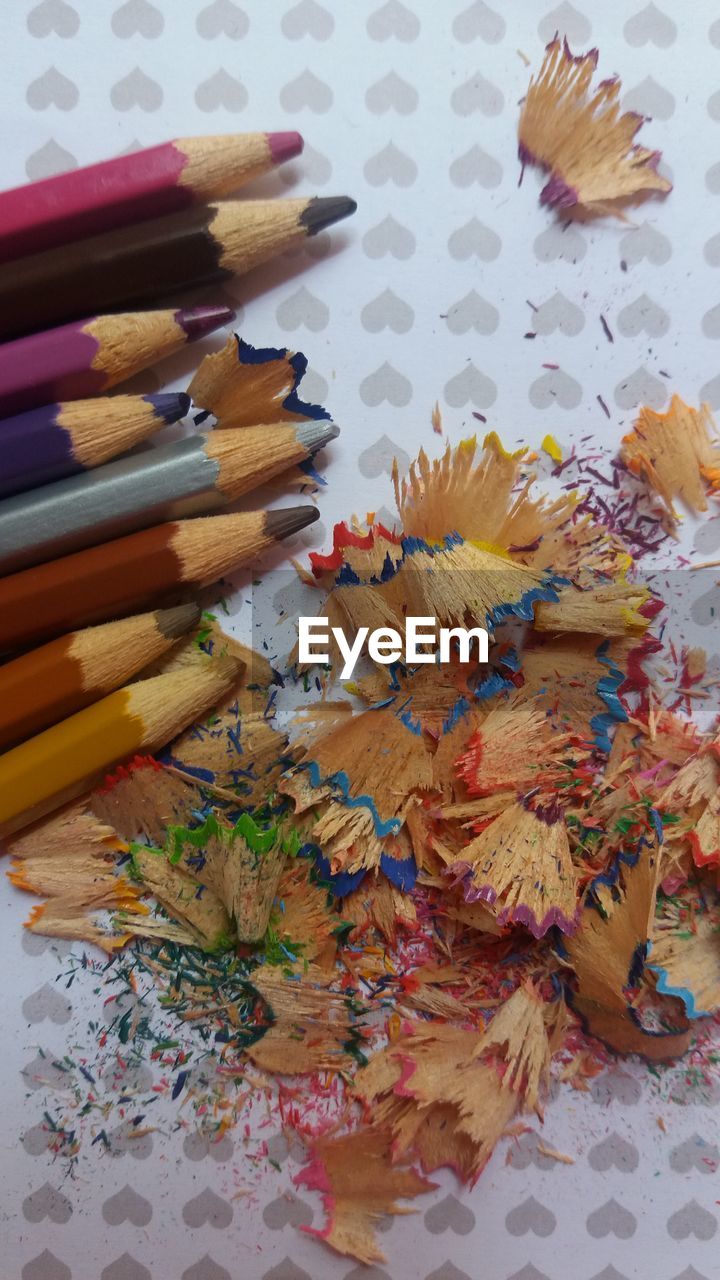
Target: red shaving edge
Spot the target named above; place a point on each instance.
(344, 537)
(125, 771)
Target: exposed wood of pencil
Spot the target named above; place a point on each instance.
(129, 188)
(190, 477)
(46, 444)
(125, 575)
(198, 245)
(61, 763)
(46, 685)
(90, 355)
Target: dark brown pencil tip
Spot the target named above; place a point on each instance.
(323, 211)
(197, 321)
(280, 524)
(177, 622)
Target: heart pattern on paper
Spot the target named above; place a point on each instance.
(385, 386)
(125, 1268)
(378, 459)
(206, 1269)
(387, 311)
(307, 19)
(475, 167)
(137, 18)
(389, 237)
(287, 1210)
(555, 387)
(136, 90)
(207, 1209)
(393, 21)
(479, 22)
(474, 240)
(127, 1206)
(569, 22)
(302, 310)
(614, 1152)
(306, 93)
(560, 244)
(696, 1152)
(650, 26)
(611, 1219)
(692, 1220)
(46, 1267)
(391, 165)
(477, 95)
(472, 312)
(641, 387)
(470, 386)
(450, 1214)
(47, 1202)
(221, 92)
(392, 93)
(47, 1003)
(643, 316)
(53, 17)
(52, 89)
(650, 99)
(558, 315)
(222, 18)
(531, 1217)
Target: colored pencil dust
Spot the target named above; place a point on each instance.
(144, 184)
(47, 685)
(61, 439)
(200, 245)
(65, 760)
(90, 356)
(193, 476)
(125, 575)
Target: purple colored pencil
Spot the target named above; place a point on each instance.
(87, 357)
(60, 440)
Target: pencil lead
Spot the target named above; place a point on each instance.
(170, 405)
(288, 520)
(178, 621)
(315, 435)
(323, 211)
(285, 146)
(199, 321)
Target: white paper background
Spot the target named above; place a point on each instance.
(413, 110)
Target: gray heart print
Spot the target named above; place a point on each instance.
(568, 21)
(611, 1219)
(137, 18)
(136, 90)
(555, 387)
(472, 312)
(616, 1086)
(286, 1270)
(560, 244)
(614, 1152)
(53, 17)
(287, 1210)
(52, 89)
(385, 385)
(43, 1072)
(302, 310)
(221, 92)
(197, 1146)
(558, 313)
(650, 99)
(712, 178)
(695, 1152)
(393, 20)
(47, 1002)
(477, 95)
(207, 1209)
(125, 1268)
(530, 1216)
(127, 1206)
(710, 392)
(479, 22)
(307, 19)
(450, 1215)
(645, 244)
(387, 311)
(650, 25)
(643, 316)
(389, 237)
(206, 1269)
(124, 1140)
(641, 387)
(222, 18)
(474, 240)
(470, 386)
(315, 166)
(692, 1220)
(378, 458)
(47, 1202)
(390, 165)
(306, 93)
(475, 167)
(46, 1267)
(448, 1271)
(392, 93)
(525, 1151)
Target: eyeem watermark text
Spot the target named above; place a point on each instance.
(423, 641)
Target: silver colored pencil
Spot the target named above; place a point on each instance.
(195, 476)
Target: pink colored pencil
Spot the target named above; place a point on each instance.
(131, 188)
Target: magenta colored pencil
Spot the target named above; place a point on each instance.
(131, 188)
(89, 356)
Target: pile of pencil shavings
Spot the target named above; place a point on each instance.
(493, 862)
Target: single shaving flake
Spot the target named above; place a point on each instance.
(582, 139)
(677, 454)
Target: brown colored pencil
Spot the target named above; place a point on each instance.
(123, 576)
(66, 760)
(156, 258)
(48, 684)
(144, 184)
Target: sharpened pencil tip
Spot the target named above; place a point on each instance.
(285, 146)
(323, 211)
(280, 524)
(170, 405)
(177, 622)
(315, 435)
(198, 321)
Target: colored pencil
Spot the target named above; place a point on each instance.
(61, 763)
(48, 684)
(155, 258)
(123, 576)
(190, 477)
(90, 356)
(130, 188)
(60, 440)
